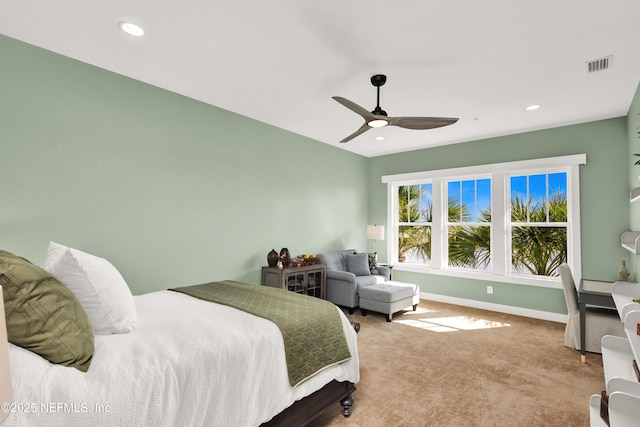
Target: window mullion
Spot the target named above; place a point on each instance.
(438, 248)
(392, 220)
(500, 208)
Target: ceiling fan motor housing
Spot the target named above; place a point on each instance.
(379, 111)
(378, 80)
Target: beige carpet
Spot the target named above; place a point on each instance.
(446, 365)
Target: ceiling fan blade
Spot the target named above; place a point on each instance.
(365, 127)
(421, 122)
(366, 115)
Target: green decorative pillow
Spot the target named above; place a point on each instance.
(358, 264)
(43, 315)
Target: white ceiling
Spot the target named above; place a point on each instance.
(281, 61)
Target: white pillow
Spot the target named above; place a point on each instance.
(54, 253)
(98, 285)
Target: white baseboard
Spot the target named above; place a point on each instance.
(518, 311)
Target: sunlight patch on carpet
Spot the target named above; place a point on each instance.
(452, 324)
(422, 310)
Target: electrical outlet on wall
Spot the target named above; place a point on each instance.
(490, 289)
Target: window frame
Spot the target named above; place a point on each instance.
(500, 208)
(447, 223)
(416, 223)
(547, 224)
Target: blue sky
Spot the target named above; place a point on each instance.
(476, 194)
(538, 185)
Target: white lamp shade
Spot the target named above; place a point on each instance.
(6, 395)
(375, 232)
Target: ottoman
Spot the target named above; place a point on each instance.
(388, 298)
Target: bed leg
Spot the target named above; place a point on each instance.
(346, 403)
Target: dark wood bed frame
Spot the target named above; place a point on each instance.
(306, 409)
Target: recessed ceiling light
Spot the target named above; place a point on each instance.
(379, 138)
(131, 28)
(532, 107)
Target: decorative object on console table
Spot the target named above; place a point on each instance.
(306, 259)
(308, 279)
(285, 257)
(375, 232)
(272, 258)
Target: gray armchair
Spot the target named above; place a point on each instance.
(347, 272)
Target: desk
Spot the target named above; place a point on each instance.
(592, 292)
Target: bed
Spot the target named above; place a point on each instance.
(187, 362)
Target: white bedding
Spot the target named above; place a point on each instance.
(187, 363)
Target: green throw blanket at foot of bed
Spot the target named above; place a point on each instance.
(311, 328)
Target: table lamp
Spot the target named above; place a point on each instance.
(375, 232)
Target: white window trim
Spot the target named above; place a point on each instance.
(498, 173)
(443, 248)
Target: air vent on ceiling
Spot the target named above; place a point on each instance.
(600, 64)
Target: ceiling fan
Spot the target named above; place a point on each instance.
(378, 117)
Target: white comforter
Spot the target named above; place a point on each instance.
(187, 363)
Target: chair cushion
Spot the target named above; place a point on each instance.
(364, 281)
(388, 291)
(336, 261)
(358, 264)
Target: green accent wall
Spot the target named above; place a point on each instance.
(176, 192)
(604, 200)
(172, 191)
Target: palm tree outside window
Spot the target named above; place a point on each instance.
(469, 224)
(538, 223)
(415, 214)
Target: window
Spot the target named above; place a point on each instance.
(414, 223)
(469, 224)
(516, 222)
(538, 223)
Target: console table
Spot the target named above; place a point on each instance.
(306, 279)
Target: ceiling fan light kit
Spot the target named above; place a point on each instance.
(378, 123)
(378, 117)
